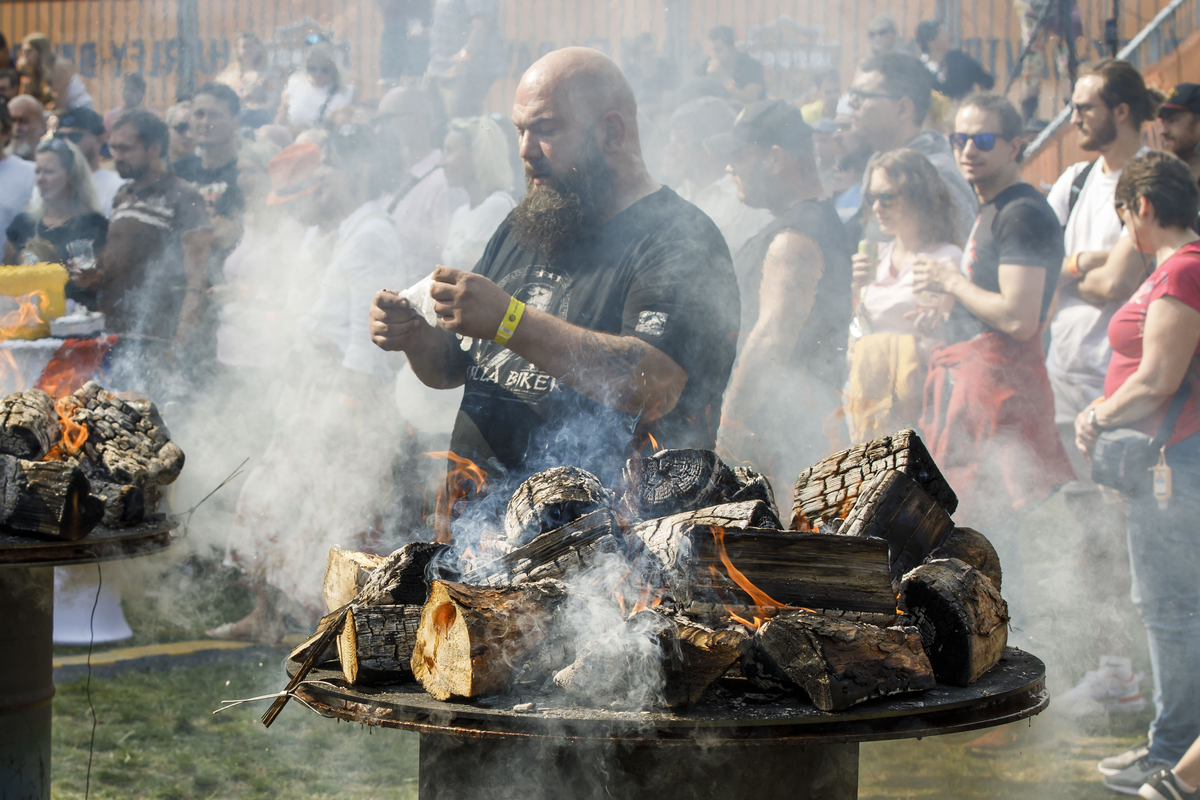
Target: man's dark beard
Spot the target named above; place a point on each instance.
(553, 216)
(1103, 135)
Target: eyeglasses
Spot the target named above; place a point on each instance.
(1120, 206)
(73, 136)
(885, 199)
(856, 97)
(983, 141)
(181, 128)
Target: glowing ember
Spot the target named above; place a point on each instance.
(463, 471)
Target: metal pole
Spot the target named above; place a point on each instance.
(26, 682)
(187, 24)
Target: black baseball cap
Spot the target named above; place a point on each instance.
(84, 118)
(1184, 97)
(765, 123)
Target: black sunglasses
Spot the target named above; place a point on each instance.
(983, 141)
(74, 136)
(885, 199)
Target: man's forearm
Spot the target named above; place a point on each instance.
(1117, 278)
(621, 372)
(438, 361)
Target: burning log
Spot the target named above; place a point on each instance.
(676, 663)
(475, 640)
(673, 481)
(123, 505)
(571, 548)
(346, 573)
(827, 491)
(377, 642)
(551, 499)
(971, 547)
(29, 426)
(126, 440)
(962, 618)
(892, 506)
(838, 663)
(692, 554)
(47, 499)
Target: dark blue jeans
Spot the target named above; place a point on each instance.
(1164, 558)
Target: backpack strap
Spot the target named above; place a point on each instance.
(1077, 187)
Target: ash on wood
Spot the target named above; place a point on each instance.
(47, 499)
(827, 491)
(962, 618)
(346, 573)
(838, 663)
(377, 642)
(813, 570)
(652, 658)
(971, 547)
(474, 640)
(551, 499)
(674, 481)
(124, 505)
(892, 506)
(127, 440)
(573, 547)
(29, 426)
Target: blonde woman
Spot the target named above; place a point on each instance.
(912, 204)
(475, 157)
(314, 92)
(68, 216)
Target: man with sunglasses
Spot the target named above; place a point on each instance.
(85, 128)
(989, 417)
(889, 100)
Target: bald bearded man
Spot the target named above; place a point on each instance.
(604, 308)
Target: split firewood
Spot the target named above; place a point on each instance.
(346, 573)
(124, 505)
(962, 618)
(551, 499)
(838, 663)
(810, 570)
(376, 643)
(893, 507)
(474, 640)
(652, 658)
(971, 547)
(571, 548)
(47, 499)
(29, 426)
(827, 491)
(674, 481)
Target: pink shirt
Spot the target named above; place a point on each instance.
(889, 297)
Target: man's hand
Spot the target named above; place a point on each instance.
(934, 275)
(468, 304)
(1086, 431)
(394, 325)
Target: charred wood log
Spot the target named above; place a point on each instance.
(376, 644)
(127, 439)
(551, 499)
(971, 547)
(346, 573)
(652, 658)
(893, 507)
(828, 490)
(403, 577)
(573, 547)
(477, 640)
(47, 499)
(675, 481)
(838, 663)
(124, 505)
(962, 618)
(29, 426)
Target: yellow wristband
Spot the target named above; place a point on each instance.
(512, 318)
(1073, 267)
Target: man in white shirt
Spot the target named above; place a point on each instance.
(699, 177)
(421, 203)
(16, 175)
(1101, 270)
(29, 125)
(85, 128)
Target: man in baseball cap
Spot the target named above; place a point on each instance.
(85, 128)
(1180, 119)
(794, 278)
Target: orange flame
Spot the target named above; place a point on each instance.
(765, 606)
(462, 471)
(653, 441)
(74, 434)
(25, 316)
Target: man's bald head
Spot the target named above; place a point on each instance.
(29, 124)
(26, 104)
(583, 81)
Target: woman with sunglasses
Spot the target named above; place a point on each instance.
(912, 205)
(314, 92)
(68, 217)
(1155, 339)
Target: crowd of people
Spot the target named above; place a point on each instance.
(687, 262)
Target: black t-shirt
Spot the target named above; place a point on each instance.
(1016, 227)
(86, 227)
(659, 271)
(218, 187)
(747, 70)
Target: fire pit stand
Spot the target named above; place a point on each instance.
(26, 669)
(736, 743)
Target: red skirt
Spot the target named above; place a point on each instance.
(988, 421)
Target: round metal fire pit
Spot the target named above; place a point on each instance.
(27, 671)
(736, 743)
